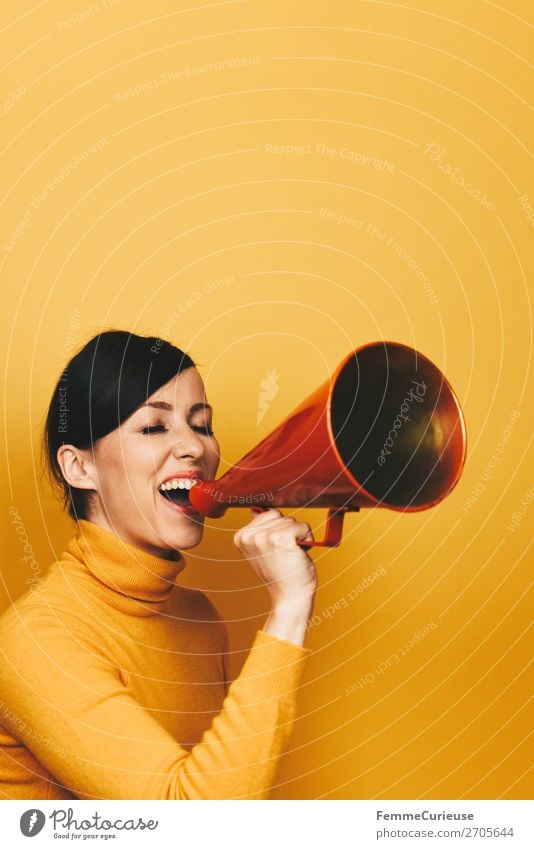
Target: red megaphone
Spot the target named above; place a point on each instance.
(386, 430)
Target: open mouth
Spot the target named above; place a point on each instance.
(177, 492)
(176, 496)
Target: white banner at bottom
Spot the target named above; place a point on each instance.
(270, 824)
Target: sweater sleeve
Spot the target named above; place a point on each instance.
(81, 722)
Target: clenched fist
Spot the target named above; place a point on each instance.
(269, 543)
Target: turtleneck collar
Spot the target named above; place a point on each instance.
(127, 570)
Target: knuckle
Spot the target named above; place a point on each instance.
(280, 537)
(246, 537)
(262, 538)
(284, 522)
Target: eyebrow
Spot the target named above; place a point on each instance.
(162, 405)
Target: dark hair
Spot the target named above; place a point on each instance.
(101, 386)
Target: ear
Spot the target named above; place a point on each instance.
(77, 467)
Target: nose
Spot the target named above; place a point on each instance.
(188, 444)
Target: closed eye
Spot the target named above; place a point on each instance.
(202, 429)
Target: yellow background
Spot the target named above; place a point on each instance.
(138, 191)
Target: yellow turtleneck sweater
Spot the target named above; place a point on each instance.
(112, 686)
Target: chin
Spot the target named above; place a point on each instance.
(184, 537)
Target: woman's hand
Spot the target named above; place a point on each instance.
(269, 542)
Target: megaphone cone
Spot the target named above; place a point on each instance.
(385, 430)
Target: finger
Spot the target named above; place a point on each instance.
(288, 534)
(307, 535)
(260, 519)
(278, 523)
(261, 516)
(307, 538)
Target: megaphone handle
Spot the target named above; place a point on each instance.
(333, 529)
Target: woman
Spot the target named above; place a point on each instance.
(112, 676)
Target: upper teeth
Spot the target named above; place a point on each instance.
(178, 483)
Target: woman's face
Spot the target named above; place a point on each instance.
(170, 436)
